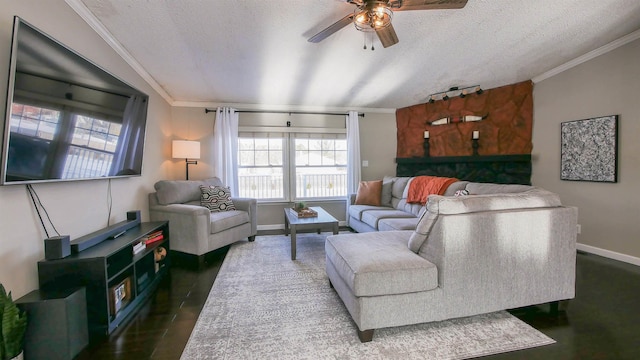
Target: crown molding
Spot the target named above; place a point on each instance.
(80, 8)
(261, 107)
(588, 56)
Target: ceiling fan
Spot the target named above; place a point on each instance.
(375, 15)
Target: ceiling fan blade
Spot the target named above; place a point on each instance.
(331, 29)
(406, 5)
(387, 36)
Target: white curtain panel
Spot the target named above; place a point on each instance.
(225, 147)
(353, 154)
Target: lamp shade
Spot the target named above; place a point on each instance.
(185, 149)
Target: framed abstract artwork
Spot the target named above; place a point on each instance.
(589, 149)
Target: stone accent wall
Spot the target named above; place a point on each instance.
(506, 130)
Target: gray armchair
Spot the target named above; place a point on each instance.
(194, 229)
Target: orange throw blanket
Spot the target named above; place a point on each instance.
(423, 186)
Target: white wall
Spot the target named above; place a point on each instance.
(606, 85)
(76, 208)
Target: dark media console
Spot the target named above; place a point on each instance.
(118, 274)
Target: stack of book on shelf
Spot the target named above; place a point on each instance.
(153, 237)
(139, 247)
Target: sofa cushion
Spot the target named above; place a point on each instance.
(379, 263)
(423, 228)
(224, 220)
(536, 198)
(392, 224)
(399, 186)
(181, 191)
(369, 193)
(459, 185)
(356, 211)
(385, 196)
(216, 198)
(371, 217)
(488, 188)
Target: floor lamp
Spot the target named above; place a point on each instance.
(185, 149)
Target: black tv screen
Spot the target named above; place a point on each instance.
(66, 118)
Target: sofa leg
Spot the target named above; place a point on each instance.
(366, 335)
(330, 284)
(554, 308)
(252, 238)
(202, 262)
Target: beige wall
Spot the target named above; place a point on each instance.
(79, 207)
(606, 85)
(377, 145)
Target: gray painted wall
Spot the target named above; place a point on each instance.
(609, 213)
(377, 146)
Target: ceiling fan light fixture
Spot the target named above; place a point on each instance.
(373, 16)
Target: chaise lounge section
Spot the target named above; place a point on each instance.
(468, 255)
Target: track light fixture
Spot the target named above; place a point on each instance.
(455, 91)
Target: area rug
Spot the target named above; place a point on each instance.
(264, 306)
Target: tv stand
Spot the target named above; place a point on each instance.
(117, 281)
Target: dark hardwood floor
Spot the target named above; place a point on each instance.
(602, 322)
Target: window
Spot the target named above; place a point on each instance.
(292, 166)
(261, 166)
(320, 166)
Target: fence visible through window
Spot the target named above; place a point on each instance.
(307, 186)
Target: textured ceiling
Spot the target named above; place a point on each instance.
(256, 51)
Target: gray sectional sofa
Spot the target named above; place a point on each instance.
(509, 247)
(396, 214)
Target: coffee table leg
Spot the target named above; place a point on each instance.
(286, 225)
(335, 229)
(293, 242)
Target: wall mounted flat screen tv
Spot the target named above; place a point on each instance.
(66, 118)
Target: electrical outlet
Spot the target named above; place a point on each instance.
(365, 163)
(579, 228)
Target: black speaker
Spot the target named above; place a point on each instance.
(57, 247)
(134, 215)
(57, 327)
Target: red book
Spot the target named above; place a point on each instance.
(154, 234)
(155, 239)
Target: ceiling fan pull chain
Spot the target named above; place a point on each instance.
(365, 42)
(371, 39)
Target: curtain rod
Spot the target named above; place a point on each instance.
(206, 111)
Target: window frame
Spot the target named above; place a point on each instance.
(288, 161)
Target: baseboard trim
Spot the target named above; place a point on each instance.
(281, 226)
(609, 254)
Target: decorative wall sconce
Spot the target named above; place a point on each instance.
(475, 137)
(426, 143)
(455, 91)
(185, 149)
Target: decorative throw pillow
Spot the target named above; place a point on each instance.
(369, 193)
(216, 198)
(459, 193)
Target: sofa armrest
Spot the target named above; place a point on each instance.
(189, 225)
(249, 205)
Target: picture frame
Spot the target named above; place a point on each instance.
(589, 149)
